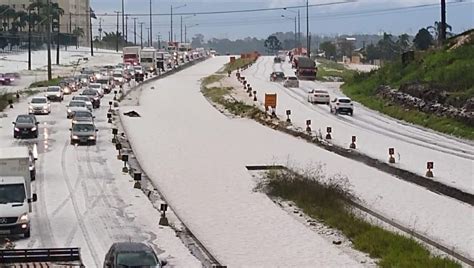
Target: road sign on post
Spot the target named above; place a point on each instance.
(391, 152)
(270, 101)
(429, 166)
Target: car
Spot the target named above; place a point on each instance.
(87, 99)
(74, 106)
(54, 93)
(39, 105)
(5, 80)
(277, 76)
(93, 95)
(82, 116)
(291, 81)
(277, 60)
(107, 83)
(118, 77)
(83, 133)
(25, 126)
(342, 105)
(131, 254)
(83, 79)
(98, 87)
(318, 96)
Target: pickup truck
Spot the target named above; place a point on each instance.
(46, 257)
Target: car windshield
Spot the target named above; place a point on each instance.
(83, 128)
(138, 68)
(95, 86)
(137, 259)
(320, 91)
(147, 60)
(24, 119)
(39, 100)
(82, 114)
(345, 100)
(12, 193)
(53, 89)
(81, 98)
(117, 75)
(292, 78)
(89, 92)
(77, 104)
(103, 81)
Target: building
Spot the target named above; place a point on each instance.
(76, 14)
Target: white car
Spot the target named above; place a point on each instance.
(118, 78)
(98, 87)
(138, 69)
(74, 106)
(39, 105)
(86, 99)
(342, 105)
(318, 96)
(291, 81)
(54, 93)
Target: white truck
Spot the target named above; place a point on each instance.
(16, 174)
(131, 55)
(148, 59)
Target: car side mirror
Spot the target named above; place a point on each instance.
(34, 198)
(70, 129)
(163, 262)
(93, 116)
(14, 123)
(96, 130)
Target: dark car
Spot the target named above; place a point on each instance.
(25, 126)
(93, 95)
(130, 254)
(83, 133)
(277, 76)
(5, 80)
(106, 83)
(277, 60)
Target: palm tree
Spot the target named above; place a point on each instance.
(21, 19)
(7, 13)
(78, 32)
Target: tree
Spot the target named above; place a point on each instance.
(403, 42)
(372, 52)
(435, 30)
(346, 47)
(197, 40)
(423, 39)
(388, 48)
(329, 49)
(78, 32)
(272, 44)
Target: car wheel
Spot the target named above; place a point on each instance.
(27, 234)
(351, 113)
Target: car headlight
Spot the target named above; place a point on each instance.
(69, 111)
(92, 138)
(24, 218)
(30, 107)
(74, 137)
(33, 129)
(17, 129)
(45, 107)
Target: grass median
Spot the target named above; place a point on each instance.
(327, 68)
(327, 200)
(237, 64)
(46, 83)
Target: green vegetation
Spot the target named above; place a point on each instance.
(330, 68)
(237, 64)
(46, 83)
(326, 200)
(449, 69)
(4, 98)
(222, 96)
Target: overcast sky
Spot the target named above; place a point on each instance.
(363, 16)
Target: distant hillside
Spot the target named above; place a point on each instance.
(438, 83)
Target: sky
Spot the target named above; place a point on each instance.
(328, 17)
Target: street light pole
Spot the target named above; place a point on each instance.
(181, 29)
(186, 31)
(123, 18)
(29, 39)
(141, 34)
(442, 34)
(299, 30)
(57, 44)
(117, 32)
(308, 41)
(135, 31)
(171, 33)
(126, 28)
(48, 37)
(151, 25)
(90, 29)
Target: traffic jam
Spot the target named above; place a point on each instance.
(85, 98)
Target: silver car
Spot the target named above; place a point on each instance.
(83, 133)
(54, 93)
(291, 81)
(39, 105)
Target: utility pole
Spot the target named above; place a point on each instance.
(141, 34)
(171, 34)
(148, 37)
(442, 34)
(57, 44)
(90, 29)
(151, 25)
(123, 18)
(308, 41)
(48, 37)
(117, 32)
(29, 39)
(181, 29)
(126, 28)
(135, 31)
(100, 29)
(159, 41)
(299, 30)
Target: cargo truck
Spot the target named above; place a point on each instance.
(305, 68)
(131, 55)
(148, 59)
(45, 257)
(15, 190)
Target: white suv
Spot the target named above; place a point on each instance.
(342, 105)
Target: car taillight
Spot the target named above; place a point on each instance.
(337, 103)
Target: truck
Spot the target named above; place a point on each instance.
(16, 174)
(131, 55)
(148, 59)
(305, 68)
(41, 257)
